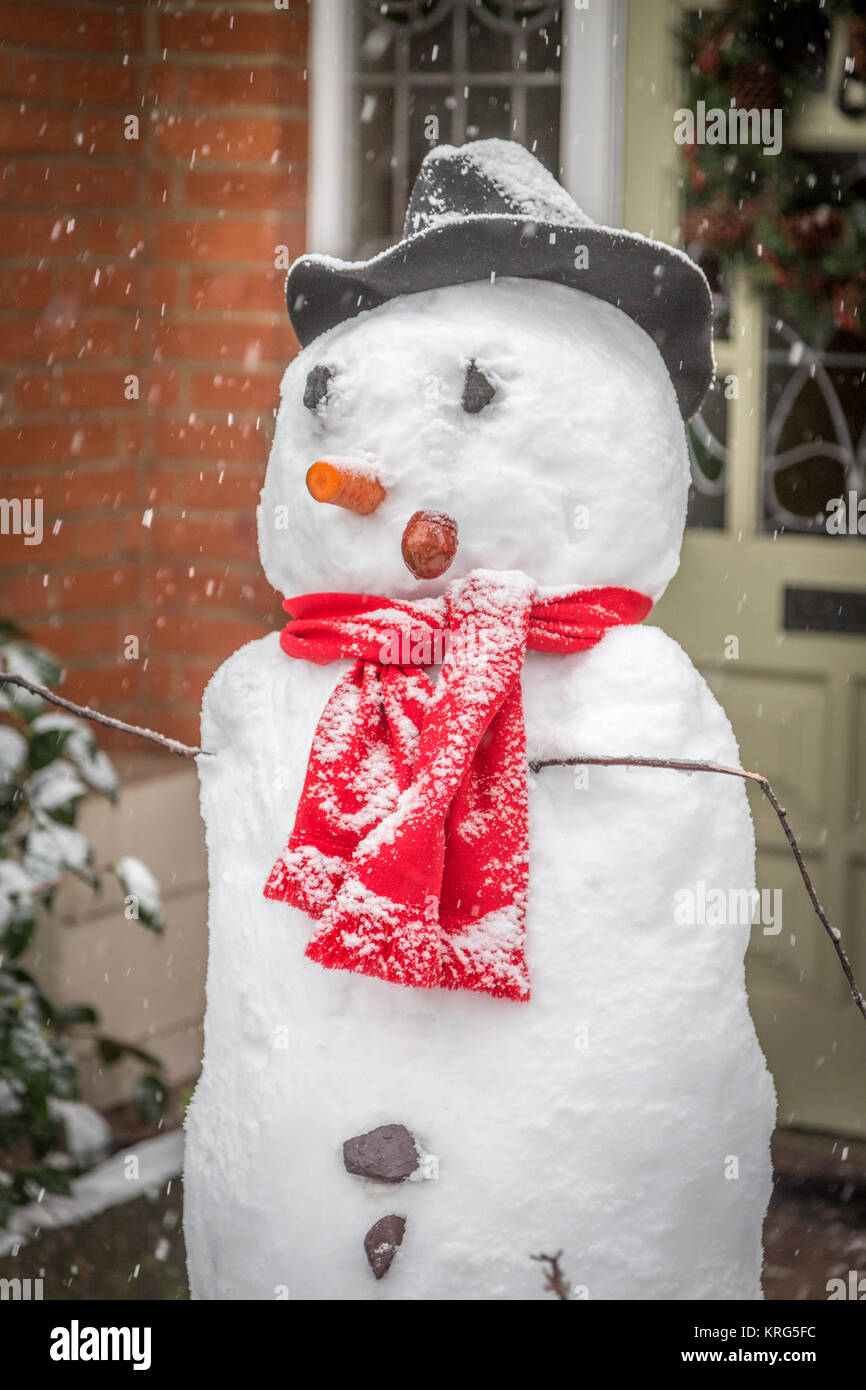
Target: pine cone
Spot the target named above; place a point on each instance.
(855, 47)
(710, 58)
(754, 86)
(815, 230)
(849, 306)
(718, 224)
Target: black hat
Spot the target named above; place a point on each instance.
(489, 208)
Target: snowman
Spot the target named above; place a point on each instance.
(454, 1019)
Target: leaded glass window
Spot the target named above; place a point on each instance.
(430, 72)
(814, 432)
(814, 456)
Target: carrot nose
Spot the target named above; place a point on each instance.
(343, 487)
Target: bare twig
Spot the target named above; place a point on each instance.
(554, 1278)
(183, 750)
(684, 765)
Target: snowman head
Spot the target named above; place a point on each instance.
(536, 408)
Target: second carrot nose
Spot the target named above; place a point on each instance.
(344, 487)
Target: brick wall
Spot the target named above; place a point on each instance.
(153, 257)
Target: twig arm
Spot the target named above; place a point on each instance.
(182, 750)
(685, 765)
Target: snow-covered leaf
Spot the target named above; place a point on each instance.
(16, 908)
(54, 787)
(81, 748)
(88, 1133)
(13, 756)
(14, 879)
(139, 885)
(34, 664)
(51, 849)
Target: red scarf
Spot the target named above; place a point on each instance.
(411, 839)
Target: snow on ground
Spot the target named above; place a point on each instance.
(111, 1184)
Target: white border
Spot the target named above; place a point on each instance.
(327, 174)
(592, 131)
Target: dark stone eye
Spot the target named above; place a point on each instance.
(477, 390)
(316, 389)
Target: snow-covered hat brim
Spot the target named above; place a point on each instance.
(660, 288)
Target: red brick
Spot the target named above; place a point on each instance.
(38, 444)
(161, 386)
(103, 389)
(157, 683)
(34, 128)
(34, 339)
(109, 81)
(64, 540)
(215, 638)
(113, 186)
(25, 289)
(104, 135)
(97, 460)
(214, 586)
(56, 26)
(29, 76)
(91, 635)
(281, 32)
(95, 388)
(223, 489)
(160, 287)
(231, 540)
(103, 286)
(104, 688)
(260, 291)
(160, 189)
(66, 592)
(42, 234)
(102, 339)
(34, 390)
(233, 138)
(80, 489)
(239, 443)
(193, 680)
(248, 344)
(275, 189)
(237, 83)
(223, 239)
(235, 391)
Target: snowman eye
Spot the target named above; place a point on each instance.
(316, 389)
(477, 390)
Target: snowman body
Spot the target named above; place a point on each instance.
(623, 1113)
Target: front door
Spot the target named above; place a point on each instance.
(769, 605)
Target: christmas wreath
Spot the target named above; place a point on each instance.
(791, 219)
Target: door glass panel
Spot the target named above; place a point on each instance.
(708, 447)
(814, 433)
(815, 409)
(428, 72)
